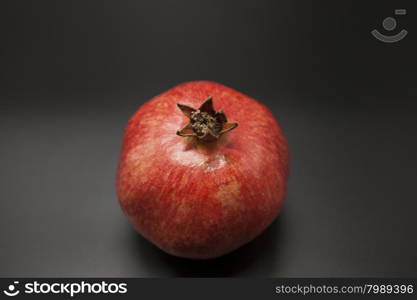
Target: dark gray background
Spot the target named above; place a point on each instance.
(73, 72)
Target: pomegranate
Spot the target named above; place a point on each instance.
(203, 170)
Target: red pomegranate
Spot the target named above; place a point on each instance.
(198, 184)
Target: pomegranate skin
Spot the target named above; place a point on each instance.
(202, 200)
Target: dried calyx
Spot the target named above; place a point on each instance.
(205, 123)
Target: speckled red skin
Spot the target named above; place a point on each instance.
(199, 200)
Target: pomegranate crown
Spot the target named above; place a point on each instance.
(205, 123)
